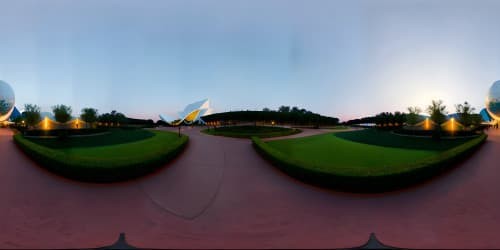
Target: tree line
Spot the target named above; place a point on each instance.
(284, 115)
(63, 114)
(436, 111)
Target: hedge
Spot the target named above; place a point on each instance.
(96, 169)
(418, 171)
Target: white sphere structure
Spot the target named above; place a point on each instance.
(493, 101)
(7, 101)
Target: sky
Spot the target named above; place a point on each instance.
(346, 59)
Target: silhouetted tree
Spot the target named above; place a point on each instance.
(89, 115)
(465, 112)
(390, 120)
(62, 113)
(437, 111)
(399, 118)
(299, 117)
(114, 117)
(476, 120)
(31, 114)
(284, 109)
(413, 116)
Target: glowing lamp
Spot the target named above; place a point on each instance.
(46, 123)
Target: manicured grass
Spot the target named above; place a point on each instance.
(357, 160)
(65, 132)
(340, 127)
(330, 153)
(388, 139)
(105, 158)
(249, 131)
(110, 137)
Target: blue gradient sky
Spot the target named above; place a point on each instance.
(340, 58)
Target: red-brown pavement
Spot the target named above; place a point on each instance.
(220, 193)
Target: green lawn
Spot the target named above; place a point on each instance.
(362, 153)
(365, 160)
(116, 156)
(110, 150)
(339, 127)
(112, 137)
(388, 139)
(249, 131)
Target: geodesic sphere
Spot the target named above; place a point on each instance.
(6, 101)
(493, 101)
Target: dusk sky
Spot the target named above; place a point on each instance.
(346, 59)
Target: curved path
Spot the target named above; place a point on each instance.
(220, 194)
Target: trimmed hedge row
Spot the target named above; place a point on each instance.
(419, 171)
(98, 170)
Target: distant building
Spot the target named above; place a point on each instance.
(15, 114)
(192, 113)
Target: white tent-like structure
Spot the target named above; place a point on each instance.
(192, 113)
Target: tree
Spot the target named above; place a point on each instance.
(413, 116)
(89, 115)
(266, 109)
(284, 109)
(31, 114)
(303, 117)
(437, 111)
(18, 121)
(476, 120)
(118, 118)
(399, 118)
(114, 118)
(465, 112)
(62, 113)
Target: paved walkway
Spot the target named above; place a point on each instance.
(309, 132)
(220, 193)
